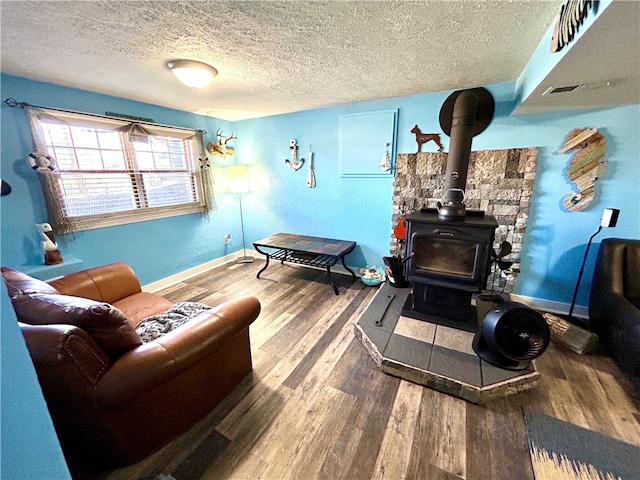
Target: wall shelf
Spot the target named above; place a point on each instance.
(49, 272)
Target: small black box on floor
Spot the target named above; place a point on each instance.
(394, 268)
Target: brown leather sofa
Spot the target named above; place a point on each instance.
(614, 304)
(107, 392)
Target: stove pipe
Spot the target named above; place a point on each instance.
(464, 115)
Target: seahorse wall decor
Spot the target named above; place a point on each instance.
(585, 167)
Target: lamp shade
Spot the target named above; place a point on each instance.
(191, 73)
(238, 179)
(609, 217)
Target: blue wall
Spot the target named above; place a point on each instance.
(343, 207)
(360, 208)
(155, 249)
(30, 448)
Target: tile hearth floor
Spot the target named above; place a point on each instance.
(433, 355)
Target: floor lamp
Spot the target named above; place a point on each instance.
(238, 182)
(609, 219)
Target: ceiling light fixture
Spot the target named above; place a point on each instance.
(192, 73)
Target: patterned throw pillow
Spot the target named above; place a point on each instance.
(157, 325)
(38, 303)
(19, 283)
(106, 324)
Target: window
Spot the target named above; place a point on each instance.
(111, 172)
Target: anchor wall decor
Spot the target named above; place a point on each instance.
(294, 163)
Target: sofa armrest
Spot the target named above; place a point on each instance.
(106, 283)
(229, 319)
(159, 361)
(610, 310)
(58, 351)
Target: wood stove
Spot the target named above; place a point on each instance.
(448, 248)
(446, 263)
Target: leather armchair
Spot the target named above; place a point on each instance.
(614, 304)
(107, 392)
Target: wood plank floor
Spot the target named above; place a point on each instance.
(317, 407)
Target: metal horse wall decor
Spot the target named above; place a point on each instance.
(422, 138)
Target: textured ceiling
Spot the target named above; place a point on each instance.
(274, 56)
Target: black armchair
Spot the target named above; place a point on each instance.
(614, 305)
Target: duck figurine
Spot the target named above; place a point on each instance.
(52, 255)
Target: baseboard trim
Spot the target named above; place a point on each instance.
(205, 267)
(191, 272)
(558, 308)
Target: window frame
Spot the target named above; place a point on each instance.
(140, 213)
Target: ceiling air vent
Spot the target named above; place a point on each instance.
(565, 89)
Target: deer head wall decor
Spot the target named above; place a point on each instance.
(220, 148)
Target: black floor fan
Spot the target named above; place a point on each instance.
(497, 261)
(512, 335)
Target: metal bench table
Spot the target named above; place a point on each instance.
(305, 250)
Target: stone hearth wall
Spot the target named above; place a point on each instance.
(500, 182)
